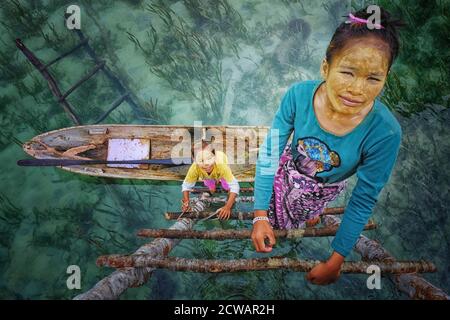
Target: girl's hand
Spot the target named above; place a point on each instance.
(325, 272)
(262, 230)
(224, 213)
(185, 206)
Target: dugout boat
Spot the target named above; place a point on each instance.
(116, 142)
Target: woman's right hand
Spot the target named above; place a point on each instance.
(262, 230)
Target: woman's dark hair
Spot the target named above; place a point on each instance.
(348, 31)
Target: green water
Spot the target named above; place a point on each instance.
(244, 54)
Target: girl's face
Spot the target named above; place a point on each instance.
(356, 75)
(205, 159)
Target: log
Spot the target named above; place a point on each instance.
(237, 215)
(418, 288)
(116, 283)
(241, 234)
(257, 264)
(412, 284)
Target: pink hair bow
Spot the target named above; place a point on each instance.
(360, 20)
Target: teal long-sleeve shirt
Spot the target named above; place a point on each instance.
(370, 150)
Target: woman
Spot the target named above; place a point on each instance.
(340, 129)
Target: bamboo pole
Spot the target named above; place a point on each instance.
(220, 190)
(257, 264)
(116, 283)
(413, 285)
(241, 234)
(225, 199)
(237, 215)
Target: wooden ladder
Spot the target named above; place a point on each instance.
(125, 93)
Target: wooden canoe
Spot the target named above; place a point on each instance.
(240, 143)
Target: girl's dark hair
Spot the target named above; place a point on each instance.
(201, 145)
(348, 31)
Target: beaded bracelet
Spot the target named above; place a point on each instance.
(260, 219)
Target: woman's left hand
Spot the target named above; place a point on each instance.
(324, 273)
(224, 213)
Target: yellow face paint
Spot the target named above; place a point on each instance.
(355, 78)
(205, 159)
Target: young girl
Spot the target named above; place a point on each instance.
(340, 128)
(211, 167)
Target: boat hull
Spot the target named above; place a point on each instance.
(240, 143)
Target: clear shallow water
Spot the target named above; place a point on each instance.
(51, 218)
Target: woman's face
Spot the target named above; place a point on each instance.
(205, 159)
(356, 75)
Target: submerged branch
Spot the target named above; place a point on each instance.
(411, 284)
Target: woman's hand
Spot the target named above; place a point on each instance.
(326, 272)
(224, 213)
(262, 230)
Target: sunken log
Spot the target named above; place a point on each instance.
(241, 234)
(257, 264)
(412, 284)
(116, 283)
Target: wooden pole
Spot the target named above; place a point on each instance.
(257, 264)
(225, 199)
(241, 234)
(411, 284)
(237, 215)
(50, 80)
(220, 190)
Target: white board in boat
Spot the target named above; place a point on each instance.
(128, 149)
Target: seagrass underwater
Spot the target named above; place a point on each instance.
(109, 100)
